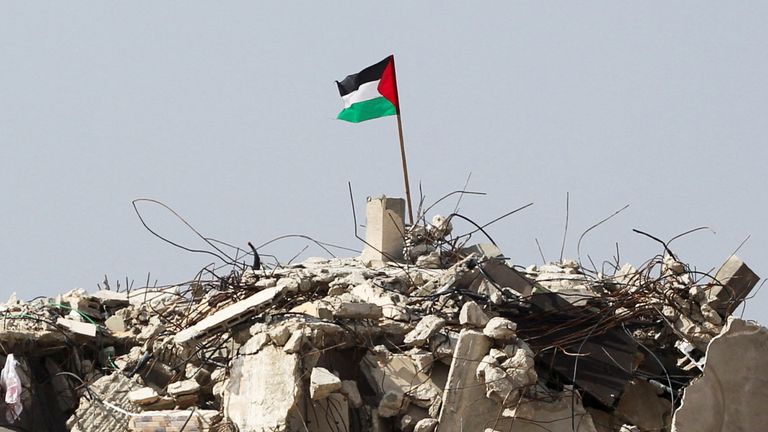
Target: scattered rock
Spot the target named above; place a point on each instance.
(500, 328)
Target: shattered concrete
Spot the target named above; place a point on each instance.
(422, 333)
(732, 393)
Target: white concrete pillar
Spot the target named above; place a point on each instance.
(385, 228)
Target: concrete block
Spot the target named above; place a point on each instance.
(115, 324)
(472, 314)
(485, 250)
(425, 329)
(385, 229)
(143, 396)
(733, 283)
(85, 329)
(500, 328)
(111, 298)
(183, 387)
(322, 383)
(357, 311)
(315, 309)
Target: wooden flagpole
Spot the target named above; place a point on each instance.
(402, 146)
(405, 167)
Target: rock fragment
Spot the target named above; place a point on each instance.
(426, 328)
(500, 328)
(322, 383)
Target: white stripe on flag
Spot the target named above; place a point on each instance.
(363, 93)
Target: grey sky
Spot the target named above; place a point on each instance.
(225, 111)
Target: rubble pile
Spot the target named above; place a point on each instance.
(420, 333)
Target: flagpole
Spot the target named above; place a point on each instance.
(405, 166)
(402, 144)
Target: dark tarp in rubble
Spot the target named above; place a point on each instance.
(600, 361)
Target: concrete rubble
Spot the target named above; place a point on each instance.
(422, 333)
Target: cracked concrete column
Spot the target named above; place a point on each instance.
(385, 228)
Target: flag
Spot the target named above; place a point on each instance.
(370, 93)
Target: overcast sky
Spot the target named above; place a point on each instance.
(226, 112)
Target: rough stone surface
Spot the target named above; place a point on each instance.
(256, 407)
(426, 328)
(500, 328)
(115, 324)
(143, 396)
(322, 383)
(733, 282)
(641, 406)
(85, 329)
(350, 390)
(464, 393)
(733, 392)
(385, 226)
(426, 425)
(228, 316)
(398, 374)
(183, 388)
(472, 314)
(330, 414)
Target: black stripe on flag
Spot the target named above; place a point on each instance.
(354, 81)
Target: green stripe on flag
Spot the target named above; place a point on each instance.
(367, 110)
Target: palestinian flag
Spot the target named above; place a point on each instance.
(370, 93)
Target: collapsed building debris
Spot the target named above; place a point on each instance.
(422, 333)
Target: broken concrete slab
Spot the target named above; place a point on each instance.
(485, 250)
(316, 309)
(348, 310)
(399, 376)
(258, 408)
(81, 328)
(112, 299)
(185, 387)
(143, 396)
(731, 394)
(500, 275)
(229, 316)
(392, 304)
(464, 395)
